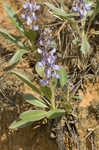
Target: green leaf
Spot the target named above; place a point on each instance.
(63, 76)
(40, 70)
(46, 91)
(84, 45)
(30, 34)
(20, 124)
(14, 18)
(27, 81)
(17, 56)
(11, 37)
(34, 101)
(54, 113)
(33, 115)
(60, 12)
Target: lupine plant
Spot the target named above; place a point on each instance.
(52, 75)
(49, 72)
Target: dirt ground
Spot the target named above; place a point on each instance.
(36, 136)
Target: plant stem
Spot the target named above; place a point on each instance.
(53, 97)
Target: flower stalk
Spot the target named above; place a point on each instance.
(52, 97)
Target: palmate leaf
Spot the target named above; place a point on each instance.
(54, 113)
(63, 76)
(14, 18)
(33, 115)
(27, 81)
(11, 37)
(17, 56)
(34, 101)
(84, 45)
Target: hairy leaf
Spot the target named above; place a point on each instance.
(84, 45)
(40, 70)
(63, 76)
(14, 18)
(60, 12)
(46, 91)
(34, 101)
(33, 115)
(11, 37)
(19, 124)
(27, 81)
(17, 56)
(54, 113)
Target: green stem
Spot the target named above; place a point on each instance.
(53, 97)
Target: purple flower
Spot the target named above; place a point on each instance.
(23, 16)
(81, 8)
(29, 20)
(29, 16)
(33, 16)
(53, 51)
(44, 82)
(48, 72)
(40, 63)
(39, 51)
(48, 57)
(26, 5)
(57, 76)
(56, 67)
(36, 7)
(35, 27)
(41, 42)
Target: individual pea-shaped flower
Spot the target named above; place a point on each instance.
(81, 7)
(26, 5)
